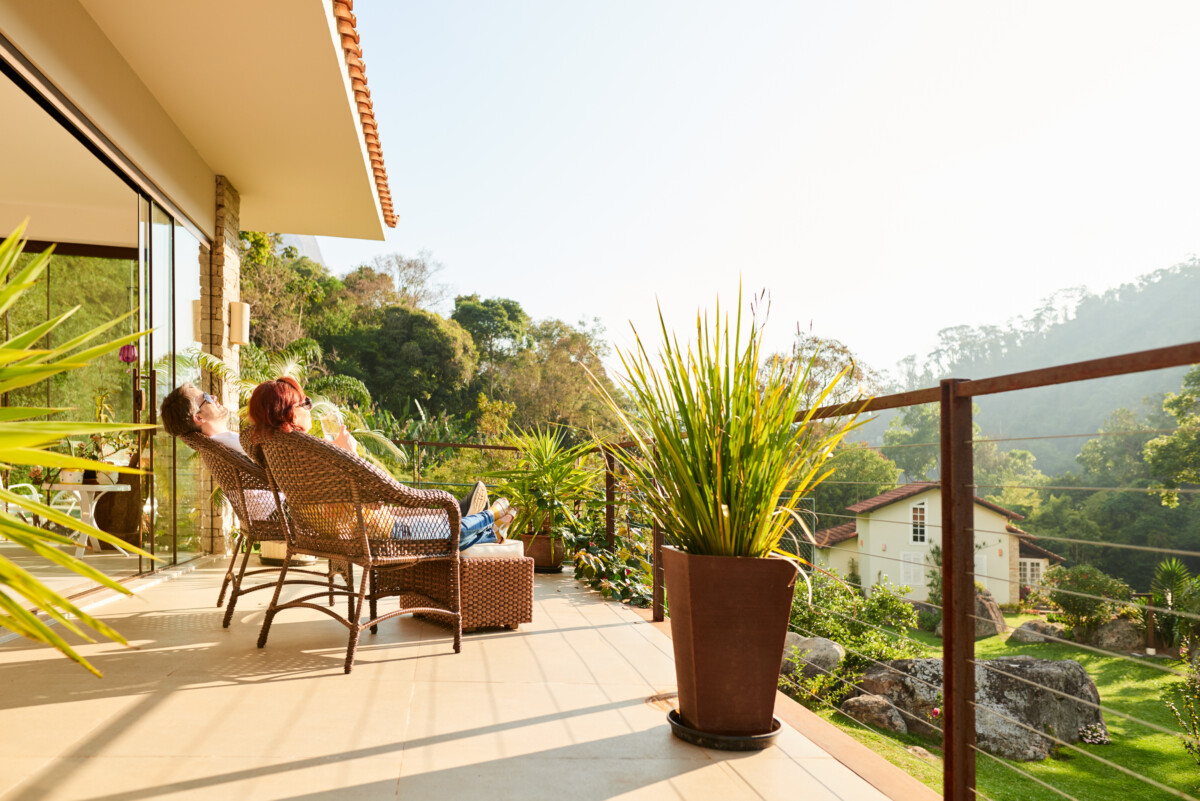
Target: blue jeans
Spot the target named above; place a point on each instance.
(473, 530)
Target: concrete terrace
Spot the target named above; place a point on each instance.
(563, 707)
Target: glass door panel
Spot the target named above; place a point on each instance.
(189, 490)
(160, 347)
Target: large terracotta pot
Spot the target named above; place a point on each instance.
(729, 618)
(547, 552)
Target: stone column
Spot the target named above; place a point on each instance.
(221, 285)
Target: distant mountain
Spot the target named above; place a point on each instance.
(1157, 310)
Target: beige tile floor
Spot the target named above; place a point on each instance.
(556, 710)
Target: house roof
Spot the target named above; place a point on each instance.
(832, 536)
(347, 24)
(1028, 549)
(916, 488)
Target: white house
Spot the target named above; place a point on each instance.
(890, 537)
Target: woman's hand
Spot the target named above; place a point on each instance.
(343, 439)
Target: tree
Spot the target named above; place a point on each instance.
(824, 358)
(859, 472)
(1114, 459)
(912, 440)
(413, 355)
(1058, 518)
(496, 325)
(1008, 478)
(548, 382)
(415, 287)
(1174, 459)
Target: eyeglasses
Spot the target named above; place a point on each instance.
(207, 399)
(304, 404)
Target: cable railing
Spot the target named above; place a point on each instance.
(954, 529)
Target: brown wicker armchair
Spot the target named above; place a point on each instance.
(342, 507)
(244, 484)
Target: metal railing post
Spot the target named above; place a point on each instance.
(610, 492)
(659, 612)
(958, 594)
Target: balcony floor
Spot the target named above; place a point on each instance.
(556, 709)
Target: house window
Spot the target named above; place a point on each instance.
(918, 522)
(1030, 572)
(911, 566)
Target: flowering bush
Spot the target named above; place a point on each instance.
(1095, 734)
(1087, 596)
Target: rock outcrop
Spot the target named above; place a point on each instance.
(875, 711)
(810, 656)
(1037, 631)
(1018, 699)
(989, 621)
(1118, 635)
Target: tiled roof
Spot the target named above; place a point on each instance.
(832, 536)
(1028, 549)
(916, 488)
(343, 11)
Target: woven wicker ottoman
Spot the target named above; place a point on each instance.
(497, 591)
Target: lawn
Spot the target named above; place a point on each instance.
(1129, 687)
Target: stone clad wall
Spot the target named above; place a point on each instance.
(220, 286)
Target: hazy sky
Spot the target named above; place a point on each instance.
(885, 169)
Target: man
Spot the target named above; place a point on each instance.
(188, 410)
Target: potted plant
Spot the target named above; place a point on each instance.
(722, 454)
(549, 480)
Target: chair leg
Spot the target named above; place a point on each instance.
(237, 589)
(262, 635)
(456, 594)
(356, 613)
(237, 548)
(374, 605)
(350, 588)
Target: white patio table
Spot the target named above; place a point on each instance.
(88, 494)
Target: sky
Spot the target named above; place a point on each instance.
(884, 170)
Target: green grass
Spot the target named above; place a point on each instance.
(1132, 688)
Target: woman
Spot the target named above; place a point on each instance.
(281, 405)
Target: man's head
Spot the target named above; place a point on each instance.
(187, 409)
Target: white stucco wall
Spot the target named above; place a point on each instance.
(887, 541)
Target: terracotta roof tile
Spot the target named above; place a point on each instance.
(1028, 549)
(916, 488)
(832, 536)
(343, 11)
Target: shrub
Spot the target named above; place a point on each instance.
(1087, 596)
(1189, 719)
(840, 613)
(928, 621)
(623, 573)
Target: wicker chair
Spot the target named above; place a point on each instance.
(342, 507)
(245, 486)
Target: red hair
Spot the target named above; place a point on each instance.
(273, 407)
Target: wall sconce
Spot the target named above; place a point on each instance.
(239, 323)
(196, 320)
(883, 547)
(1002, 552)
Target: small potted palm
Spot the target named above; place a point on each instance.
(723, 453)
(548, 483)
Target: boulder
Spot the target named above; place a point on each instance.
(1118, 635)
(914, 686)
(989, 621)
(812, 656)
(875, 711)
(1037, 631)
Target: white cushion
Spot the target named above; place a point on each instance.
(509, 549)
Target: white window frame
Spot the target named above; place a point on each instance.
(918, 523)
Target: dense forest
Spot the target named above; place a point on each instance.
(1093, 465)
(1071, 325)
(375, 340)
